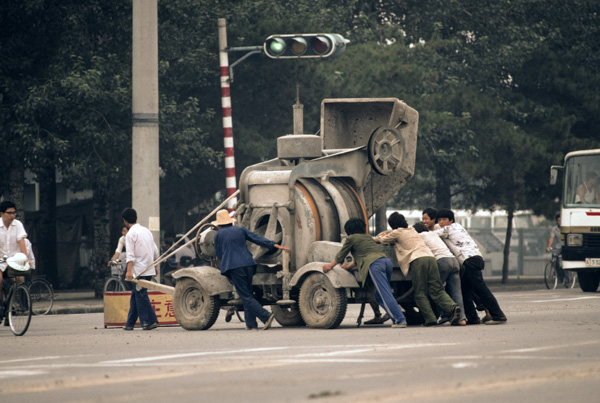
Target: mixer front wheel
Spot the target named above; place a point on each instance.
(194, 309)
(321, 304)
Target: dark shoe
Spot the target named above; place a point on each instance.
(455, 315)
(428, 324)
(269, 322)
(377, 320)
(230, 313)
(497, 321)
(442, 320)
(150, 327)
(251, 328)
(487, 316)
(474, 322)
(127, 327)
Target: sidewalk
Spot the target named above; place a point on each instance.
(76, 301)
(83, 301)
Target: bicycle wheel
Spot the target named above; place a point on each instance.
(42, 296)
(550, 277)
(113, 284)
(19, 310)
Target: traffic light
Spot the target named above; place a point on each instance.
(304, 46)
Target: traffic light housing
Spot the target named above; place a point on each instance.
(304, 46)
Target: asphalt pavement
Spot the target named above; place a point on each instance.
(83, 301)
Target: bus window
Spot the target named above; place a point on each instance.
(582, 178)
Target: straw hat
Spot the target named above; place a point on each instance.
(223, 218)
(18, 262)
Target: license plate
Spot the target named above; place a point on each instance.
(593, 262)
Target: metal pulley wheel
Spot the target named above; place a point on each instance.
(205, 242)
(386, 150)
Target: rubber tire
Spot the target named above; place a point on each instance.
(322, 305)
(550, 277)
(194, 309)
(288, 315)
(114, 284)
(19, 310)
(42, 296)
(588, 280)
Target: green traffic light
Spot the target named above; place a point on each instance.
(277, 46)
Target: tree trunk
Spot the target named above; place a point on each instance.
(505, 262)
(16, 184)
(47, 261)
(381, 220)
(443, 193)
(101, 253)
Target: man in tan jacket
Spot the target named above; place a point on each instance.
(414, 255)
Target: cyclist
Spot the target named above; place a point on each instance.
(120, 245)
(555, 245)
(12, 236)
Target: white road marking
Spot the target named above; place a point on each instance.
(19, 373)
(564, 299)
(51, 357)
(186, 355)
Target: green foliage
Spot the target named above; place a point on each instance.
(504, 89)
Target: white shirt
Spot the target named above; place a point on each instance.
(30, 255)
(141, 250)
(436, 245)
(459, 241)
(120, 245)
(9, 238)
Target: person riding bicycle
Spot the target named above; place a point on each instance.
(119, 250)
(12, 236)
(555, 245)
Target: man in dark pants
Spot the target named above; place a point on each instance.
(468, 254)
(141, 252)
(239, 266)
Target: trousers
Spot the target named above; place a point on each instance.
(241, 277)
(472, 283)
(140, 306)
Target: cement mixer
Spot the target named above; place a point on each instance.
(364, 153)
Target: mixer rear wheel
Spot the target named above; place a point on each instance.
(287, 315)
(321, 304)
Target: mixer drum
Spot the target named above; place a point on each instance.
(321, 210)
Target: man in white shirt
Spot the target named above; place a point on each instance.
(141, 253)
(470, 258)
(12, 235)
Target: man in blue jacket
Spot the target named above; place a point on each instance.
(239, 266)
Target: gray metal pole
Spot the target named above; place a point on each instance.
(298, 113)
(145, 168)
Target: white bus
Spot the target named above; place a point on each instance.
(580, 215)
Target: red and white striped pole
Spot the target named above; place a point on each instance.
(230, 182)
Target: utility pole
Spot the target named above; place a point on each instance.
(145, 168)
(230, 181)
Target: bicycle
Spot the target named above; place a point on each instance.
(551, 276)
(16, 307)
(42, 295)
(115, 282)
